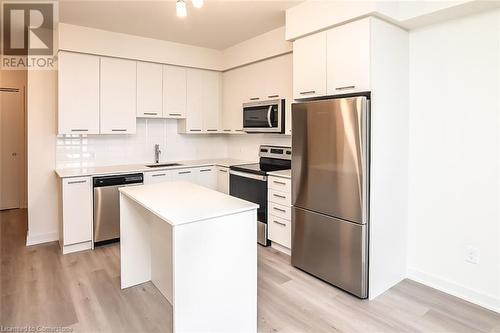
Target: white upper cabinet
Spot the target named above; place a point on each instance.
(78, 94)
(149, 90)
(348, 58)
(233, 96)
(203, 102)
(174, 92)
(309, 66)
(211, 101)
(118, 96)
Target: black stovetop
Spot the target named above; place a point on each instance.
(266, 165)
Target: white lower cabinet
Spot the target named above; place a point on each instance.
(76, 224)
(223, 180)
(154, 177)
(187, 175)
(207, 177)
(279, 213)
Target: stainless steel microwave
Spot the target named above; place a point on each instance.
(264, 116)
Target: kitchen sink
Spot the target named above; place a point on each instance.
(162, 165)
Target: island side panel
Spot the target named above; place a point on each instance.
(135, 243)
(161, 256)
(215, 275)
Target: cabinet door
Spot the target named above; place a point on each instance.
(78, 80)
(280, 230)
(187, 175)
(118, 96)
(309, 66)
(194, 115)
(233, 97)
(77, 210)
(223, 180)
(211, 101)
(174, 92)
(207, 177)
(149, 90)
(154, 177)
(348, 58)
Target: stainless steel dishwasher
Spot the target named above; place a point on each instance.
(107, 205)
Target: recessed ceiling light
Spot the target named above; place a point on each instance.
(180, 8)
(197, 3)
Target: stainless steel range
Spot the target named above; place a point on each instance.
(249, 182)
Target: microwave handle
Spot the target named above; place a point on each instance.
(269, 116)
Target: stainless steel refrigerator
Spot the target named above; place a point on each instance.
(330, 191)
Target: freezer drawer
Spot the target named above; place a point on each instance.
(331, 249)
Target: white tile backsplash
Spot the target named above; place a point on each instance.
(73, 151)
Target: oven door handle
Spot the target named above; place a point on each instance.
(269, 116)
(248, 175)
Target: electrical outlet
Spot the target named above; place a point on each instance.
(471, 255)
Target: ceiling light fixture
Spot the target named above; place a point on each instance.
(180, 8)
(197, 3)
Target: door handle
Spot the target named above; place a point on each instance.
(307, 92)
(175, 114)
(346, 87)
(280, 223)
(269, 116)
(77, 182)
(159, 175)
(151, 113)
(118, 130)
(279, 209)
(279, 183)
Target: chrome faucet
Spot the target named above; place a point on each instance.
(157, 153)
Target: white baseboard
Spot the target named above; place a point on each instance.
(34, 239)
(468, 294)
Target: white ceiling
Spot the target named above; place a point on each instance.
(218, 25)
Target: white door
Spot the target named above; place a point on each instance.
(154, 177)
(207, 177)
(309, 66)
(187, 175)
(11, 125)
(174, 92)
(348, 58)
(149, 90)
(118, 96)
(77, 210)
(223, 180)
(78, 95)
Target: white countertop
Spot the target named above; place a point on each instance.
(281, 173)
(173, 201)
(131, 168)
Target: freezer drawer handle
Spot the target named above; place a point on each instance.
(279, 183)
(77, 182)
(279, 209)
(307, 92)
(346, 87)
(280, 223)
(159, 175)
(279, 196)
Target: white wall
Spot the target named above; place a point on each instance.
(97, 150)
(246, 147)
(42, 181)
(454, 157)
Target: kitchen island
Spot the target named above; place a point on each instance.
(198, 247)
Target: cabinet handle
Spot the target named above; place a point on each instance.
(118, 130)
(280, 223)
(222, 170)
(195, 130)
(307, 92)
(345, 87)
(279, 209)
(227, 130)
(184, 172)
(254, 98)
(212, 130)
(77, 182)
(273, 96)
(79, 130)
(159, 175)
(279, 196)
(279, 183)
(175, 114)
(205, 170)
(239, 130)
(151, 113)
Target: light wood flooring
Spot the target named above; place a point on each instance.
(41, 287)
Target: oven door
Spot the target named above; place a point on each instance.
(263, 117)
(253, 188)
